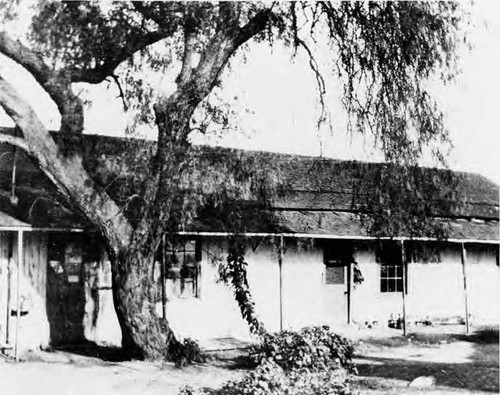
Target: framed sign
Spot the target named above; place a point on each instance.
(334, 275)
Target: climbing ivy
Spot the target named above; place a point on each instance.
(233, 272)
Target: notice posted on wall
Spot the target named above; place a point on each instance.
(334, 275)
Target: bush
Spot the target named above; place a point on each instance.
(314, 348)
(270, 379)
(187, 352)
(313, 361)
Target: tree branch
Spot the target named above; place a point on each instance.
(320, 81)
(121, 93)
(57, 85)
(104, 70)
(190, 29)
(254, 25)
(228, 38)
(149, 14)
(66, 173)
(13, 140)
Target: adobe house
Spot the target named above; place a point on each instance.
(311, 258)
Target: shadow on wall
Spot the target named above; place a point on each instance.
(79, 303)
(76, 285)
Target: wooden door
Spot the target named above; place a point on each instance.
(337, 289)
(65, 289)
(338, 256)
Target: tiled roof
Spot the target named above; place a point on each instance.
(318, 199)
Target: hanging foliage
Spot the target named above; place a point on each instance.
(234, 273)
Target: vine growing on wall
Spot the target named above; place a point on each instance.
(233, 273)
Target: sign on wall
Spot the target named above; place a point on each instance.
(334, 275)
(73, 262)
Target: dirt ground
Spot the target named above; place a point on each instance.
(387, 363)
(457, 363)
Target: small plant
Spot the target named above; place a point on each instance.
(187, 390)
(267, 379)
(187, 352)
(314, 348)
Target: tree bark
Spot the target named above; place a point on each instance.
(144, 332)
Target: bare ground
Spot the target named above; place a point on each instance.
(386, 364)
(61, 373)
(458, 363)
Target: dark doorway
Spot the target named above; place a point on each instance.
(65, 288)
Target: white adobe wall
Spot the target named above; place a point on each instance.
(214, 314)
(307, 300)
(368, 304)
(4, 261)
(483, 284)
(34, 329)
(435, 290)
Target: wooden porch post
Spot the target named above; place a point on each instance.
(20, 250)
(466, 298)
(9, 285)
(403, 291)
(162, 279)
(349, 282)
(280, 264)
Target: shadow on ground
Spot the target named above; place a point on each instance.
(459, 375)
(93, 350)
(481, 373)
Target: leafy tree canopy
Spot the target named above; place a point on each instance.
(383, 52)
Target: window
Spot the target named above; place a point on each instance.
(391, 278)
(388, 255)
(181, 270)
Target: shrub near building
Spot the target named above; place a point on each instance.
(312, 361)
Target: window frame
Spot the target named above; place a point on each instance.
(175, 247)
(387, 279)
(390, 258)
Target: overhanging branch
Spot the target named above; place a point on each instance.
(119, 55)
(228, 38)
(15, 141)
(57, 85)
(65, 172)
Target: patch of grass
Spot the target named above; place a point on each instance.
(417, 339)
(486, 354)
(394, 341)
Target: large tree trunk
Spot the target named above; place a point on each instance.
(144, 333)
